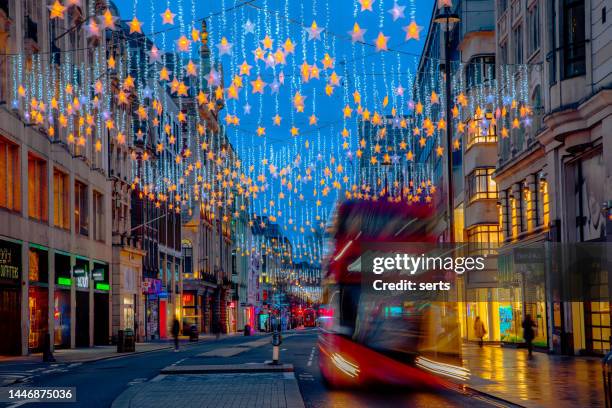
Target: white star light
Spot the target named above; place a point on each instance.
(225, 47)
(397, 11)
(213, 78)
(314, 32)
(249, 27)
(154, 55)
(247, 108)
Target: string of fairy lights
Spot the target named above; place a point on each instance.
(311, 110)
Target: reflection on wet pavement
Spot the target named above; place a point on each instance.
(546, 380)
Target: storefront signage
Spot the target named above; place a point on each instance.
(9, 268)
(102, 286)
(98, 274)
(82, 281)
(528, 255)
(151, 286)
(79, 271)
(64, 281)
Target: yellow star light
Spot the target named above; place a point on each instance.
(277, 120)
(135, 26)
(258, 85)
(56, 10)
(294, 131)
(245, 68)
(267, 42)
(381, 42)
(347, 111)
(366, 4)
(167, 17)
(261, 131)
(412, 31)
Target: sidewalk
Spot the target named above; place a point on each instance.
(90, 354)
(236, 386)
(545, 381)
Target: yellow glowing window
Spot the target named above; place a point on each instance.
(484, 237)
(481, 184)
(545, 200)
(515, 220)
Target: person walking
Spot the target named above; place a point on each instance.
(529, 333)
(175, 333)
(479, 330)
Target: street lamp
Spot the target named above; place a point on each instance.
(447, 20)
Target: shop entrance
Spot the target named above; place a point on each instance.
(82, 319)
(101, 320)
(10, 323)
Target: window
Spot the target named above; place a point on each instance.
(10, 180)
(37, 188)
(482, 131)
(484, 238)
(529, 208)
(81, 214)
(544, 200)
(573, 39)
(98, 216)
(514, 215)
(480, 70)
(534, 29)
(538, 109)
(187, 259)
(517, 37)
(61, 202)
(481, 185)
(503, 54)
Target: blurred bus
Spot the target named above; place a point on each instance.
(387, 339)
(310, 318)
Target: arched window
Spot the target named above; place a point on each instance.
(538, 109)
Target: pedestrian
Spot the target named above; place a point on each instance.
(217, 329)
(529, 333)
(479, 330)
(175, 333)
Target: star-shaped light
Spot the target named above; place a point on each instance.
(183, 43)
(108, 20)
(357, 33)
(399, 90)
(288, 46)
(347, 111)
(213, 78)
(276, 120)
(154, 54)
(245, 68)
(249, 27)
(93, 29)
(247, 108)
(164, 74)
(274, 86)
(366, 4)
(328, 62)
(167, 17)
(261, 131)
(267, 42)
(56, 10)
(381, 42)
(314, 31)
(294, 131)
(397, 11)
(225, 47)
(258, 85)
(135, 26)
(412, 31)
(312, 119)
(191, 68)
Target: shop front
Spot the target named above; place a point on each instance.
(61, 301)
(80, 272)
(101, 303)
(10, 298)
(151, 289)
(38, 297)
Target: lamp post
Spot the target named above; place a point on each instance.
(447, 20)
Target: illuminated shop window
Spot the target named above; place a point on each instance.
(484, 238)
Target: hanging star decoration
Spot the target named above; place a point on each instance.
(56, 10)
(397, 11)
(314, 31)
(412, 31)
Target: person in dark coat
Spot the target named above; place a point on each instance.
(217, 329)
(529, 333)
(175, 333)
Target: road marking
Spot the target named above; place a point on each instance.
(179, 362)
(137, 381)
(74, 365)
(311, 357)
(20, 403)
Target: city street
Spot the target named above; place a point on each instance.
(99, 383)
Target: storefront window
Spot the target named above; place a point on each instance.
(61, 316)
(39, 315)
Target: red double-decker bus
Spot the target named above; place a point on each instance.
(310, 318)
(382, 339)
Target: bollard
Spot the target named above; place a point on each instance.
(47, 353)
(276, 342)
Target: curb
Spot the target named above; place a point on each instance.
(228, 368)
(493, 397)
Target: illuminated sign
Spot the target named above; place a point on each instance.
(79, 271)
(82, 282)
(98, 274)
(8, 264)
(102, 286)
(64, 281)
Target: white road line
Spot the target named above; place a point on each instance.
(20, 403)
(311, 357)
